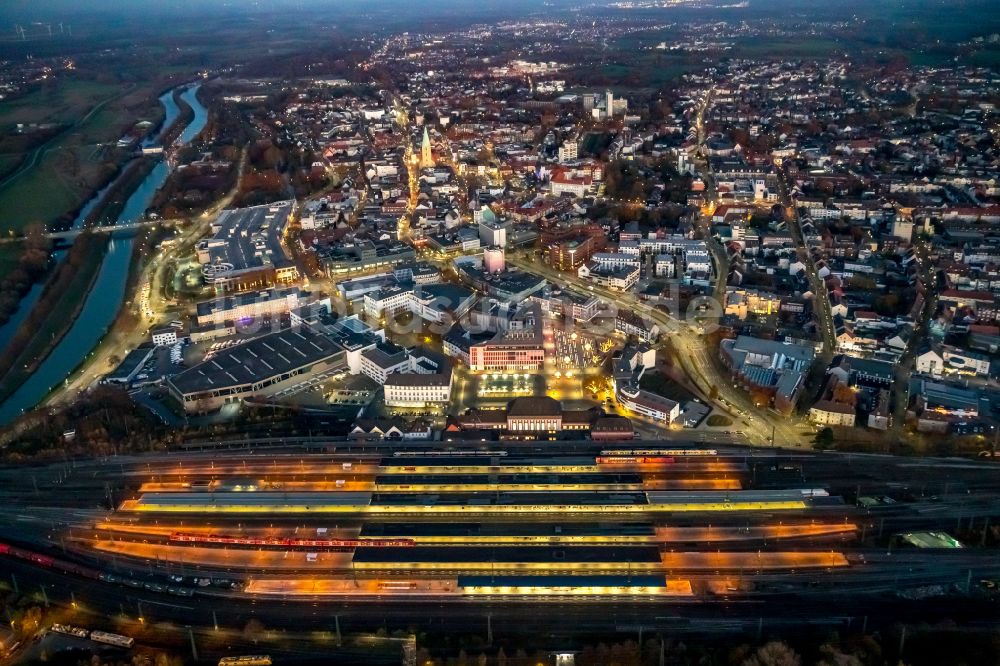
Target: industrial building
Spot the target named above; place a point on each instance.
(261, 366)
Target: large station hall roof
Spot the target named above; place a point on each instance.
(262, 358)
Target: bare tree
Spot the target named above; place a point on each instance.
(774, 653)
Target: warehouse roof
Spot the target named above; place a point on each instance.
(262, 358)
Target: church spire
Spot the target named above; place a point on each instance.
(426, 156)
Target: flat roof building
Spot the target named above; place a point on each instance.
(417, 390)
(245, 250)
(509, 351)
(384, 359)
(260, 366)
(648, 404)
(363, 255)
(777, 369)
(268, 302)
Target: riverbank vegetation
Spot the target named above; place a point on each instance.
(114, 422)
(184, 116)
(103, 421)
(57, 307)
(201, 179)
(205, 172)
(26, 263)
(113, 202)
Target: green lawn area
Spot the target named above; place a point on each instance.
(985, 57)
(648, 70)
(719, 421)
(615, 71)
(9, 162)
(595, 142)
(51, 190)
(63, 103)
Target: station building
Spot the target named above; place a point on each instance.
(541, 417)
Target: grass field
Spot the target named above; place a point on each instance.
(595, 142)
(62, 102)
(648, 69)
(8, 163)
(985, 57)
(66, 171)
(62, 180)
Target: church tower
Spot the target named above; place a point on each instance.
(426, 156)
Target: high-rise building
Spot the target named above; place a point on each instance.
(569, 150)
(493, 259)
(492, 230)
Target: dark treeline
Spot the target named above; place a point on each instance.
(32, 265)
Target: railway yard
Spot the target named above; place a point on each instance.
(681, 526)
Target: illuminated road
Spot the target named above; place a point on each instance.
(147, 302)
(692, 355)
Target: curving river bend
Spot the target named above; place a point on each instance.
(108, 291)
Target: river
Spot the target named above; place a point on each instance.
(106, 296)
(171, 111)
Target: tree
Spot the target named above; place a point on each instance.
(27, 622)
(823, 439)
(774, 653)
(760, 397)
(832, 656)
